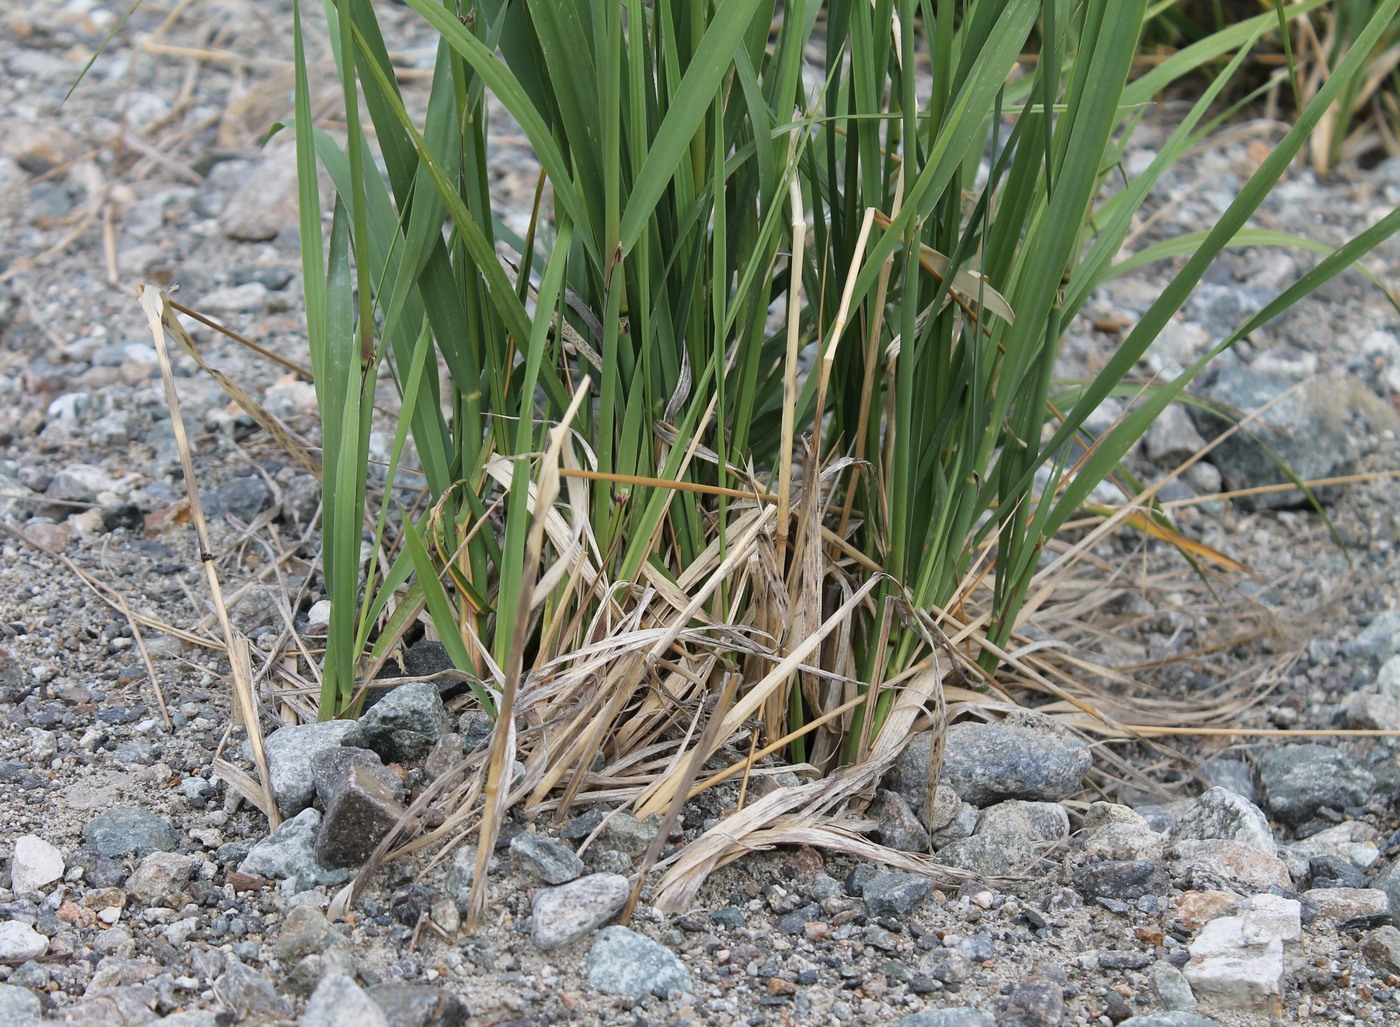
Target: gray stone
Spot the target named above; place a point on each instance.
(1306, 430)
(291, 752)
(1036, 1002)
(1037, 822)
(1342, 904)
(103, 1007)
(953, 1016)
(338, 1001)
(331, 767)
(419, 1005)
(19, 1007)
(1027, 756)
(1299, 780)
(623, 962)
(894, 894)
(161, 878)
(570, 911)
(909, 774)
(1388, 881)
(625, 833)
(36, 864)
(1382, 949)
(128, 830)
(1379, 642)
(1171, 1018)
(80, 483)
(950, 966)
(19, 941)
(241, 498)
(359, 814)
(305, 931)
(549, 859)
(1232, 774)
(288, 854)
(1221, 813)
(1172, 438)
(1368, 711)
(1114, 832)
(250, 994)
(266, 202)
(899, 827)
(1122, 879)
(407, 723)
(997, 854)
(1172, 987)
(1224, 865)
(425, 658)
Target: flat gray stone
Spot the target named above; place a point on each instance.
(128, 830)
(996, 854)
(1037, 822)
(1222, 813)
(1170, 1018)
(570, 911)
(161, 878)
(549, 859)
(1382, 949)
(1027, 756)
(623, 962)
(266, 202)
(1122, 879)
(894, 894)
(1299, 780)
(899, 826)
(419, 1005)
(250, 994)
(953, 1016)
(289, 854)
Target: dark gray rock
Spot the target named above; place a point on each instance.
(331, 768)
(360, 811)
(899, 828)
(1122, 879)
(1027, 756)
(407, 723)
(549, 859)
(291, 754)
(289, 854)
(1036, 1002)
(1299, 780)
(338, 1001)
(623, 962)
(1221, 813)
(129, 830)
(570, 911)
(241, 498)
(955, 1016)
(794, 921)
(419, 1005)
(426, 658)
(625, 833)
(894, 894)
(995, 854)
(1328, 871)
(1306, 430)
(250, 994)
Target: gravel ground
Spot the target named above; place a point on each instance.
(1254, 888)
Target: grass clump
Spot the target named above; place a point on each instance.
(752, 442)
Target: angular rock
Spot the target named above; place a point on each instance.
(549, 859)
(128, 830)
(1026, 756)
(359, 814)
(1378, 643)
(241, 498)
(1272, 916)
(36, 864)
(1037, 822)
(623, 962)
(19, 941)
(1299, 780)
(1382, 949)
(250, 994)
(1114, 832)
(626, 834)
(161, 878)
(419, 1005)
(407, 723)
(305, 932)
(266, 202)
(894, 894)
(1341, 904)
(291, 752)
(1367, 711)
(1122, 879)
(103, 1007)
(1036, 1002)
(570, 911)
(1226, 865)
(996, 854)
(338, 1001)
(1231, 967)
(899, 827)
(1222, 813)
(288, 854)
(1172, 987)
(1232, 774)
(330, 768)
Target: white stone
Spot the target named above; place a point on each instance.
(1228, 968)
(19, 941)
(1272, 916)
(36, 864)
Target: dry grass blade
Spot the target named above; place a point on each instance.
(157, 315)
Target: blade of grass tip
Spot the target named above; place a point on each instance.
(794, 321)
(153, 303)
